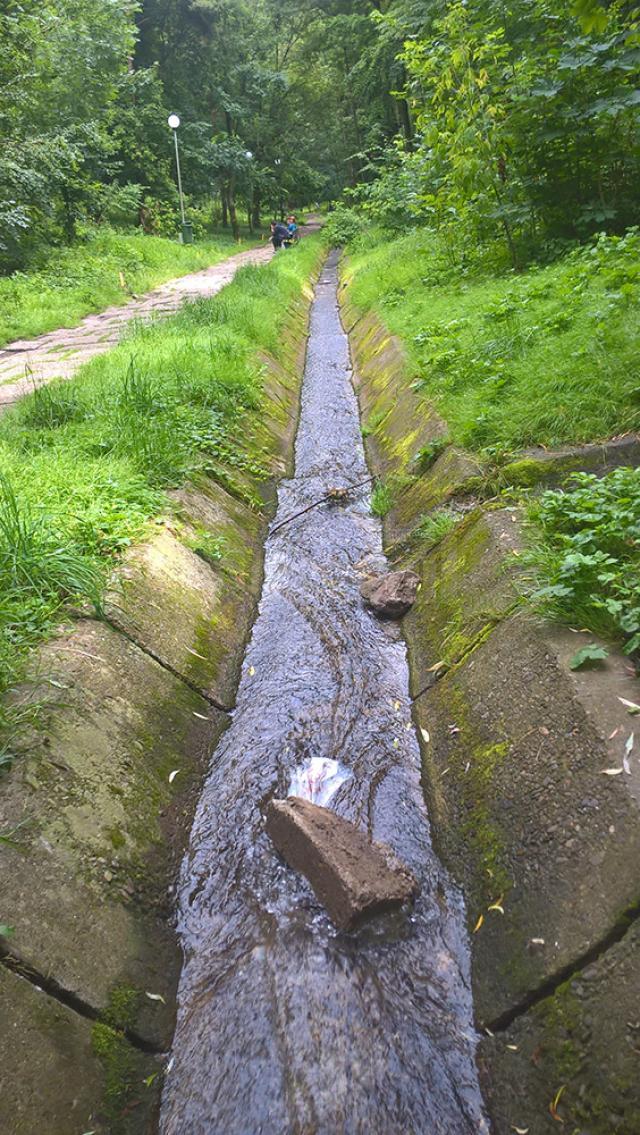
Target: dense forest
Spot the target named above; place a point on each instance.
(517, 120)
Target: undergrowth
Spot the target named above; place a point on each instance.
(105, 268)
(84, 464)
(585, 551)
(545, 357)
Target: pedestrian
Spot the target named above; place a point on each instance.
(292, 230)
(279, 233)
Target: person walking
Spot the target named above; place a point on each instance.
(279, 234)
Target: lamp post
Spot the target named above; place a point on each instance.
(186, 234)
(249, 156)
(277, 163)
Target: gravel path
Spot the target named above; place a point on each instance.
(58, 354)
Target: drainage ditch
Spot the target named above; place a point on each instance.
(284, 1024)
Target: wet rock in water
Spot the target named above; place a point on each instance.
(391, 596)
(352, 877)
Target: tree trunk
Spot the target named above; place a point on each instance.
(225, 210)
(233, 214)
(255, 211)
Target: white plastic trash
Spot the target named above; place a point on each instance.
(318, 780)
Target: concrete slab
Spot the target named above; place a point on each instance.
(469, 583)
(585, 1040)
(455, 473)
(101, 826)
(189, 615)
(58, 1094)
(352, 877)
(206, 505)
(523, 812)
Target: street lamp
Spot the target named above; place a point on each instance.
(249, 156)
(186, 235)
(277, 163)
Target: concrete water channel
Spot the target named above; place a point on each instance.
(285, 1025)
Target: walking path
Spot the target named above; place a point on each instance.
(58, 354)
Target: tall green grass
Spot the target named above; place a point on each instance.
(546, 357)
(84, 464)
(103, 269)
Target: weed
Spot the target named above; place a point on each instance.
(381, 499)
(432, 529)
(584, 551)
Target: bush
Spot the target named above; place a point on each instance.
(344, 226)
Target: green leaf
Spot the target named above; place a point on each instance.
(590, 653)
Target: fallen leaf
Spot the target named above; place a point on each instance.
(196, 655)
(396, 705)
(631, 705)
(149, 1080)
(155, 997)
(396, 743)
(408, 725)
(521, 1130)
(513, 1048)
(478, 924)
(611, 771)
(252, 671)
(173, 775)
(425, 735)
(553, 1106)
(445, 771)
(497, 905)
(488, 1032)
(436, 666)
(627, 752)
(614, 734)
(537, 941)
(200, 715)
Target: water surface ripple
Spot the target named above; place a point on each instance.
(285, 1026)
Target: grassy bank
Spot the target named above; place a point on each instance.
(543, 357)
(104, 269)
(84, 464)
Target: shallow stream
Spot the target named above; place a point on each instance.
(285, 1026)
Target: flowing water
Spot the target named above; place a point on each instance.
(285, 1026)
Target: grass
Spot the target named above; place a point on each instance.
(433, 528)
(381, 500)
(84, 464)
(546, 357)
(104, 269)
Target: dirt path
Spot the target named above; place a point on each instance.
(58, 354)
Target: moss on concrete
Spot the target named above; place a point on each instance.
(467, 586)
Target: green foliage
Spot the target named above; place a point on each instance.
(84, 466)
(433, 528)
(584, 548)
(381, 499)
(105, 268)
(343, 227)
(538, 358)
(588, 655)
